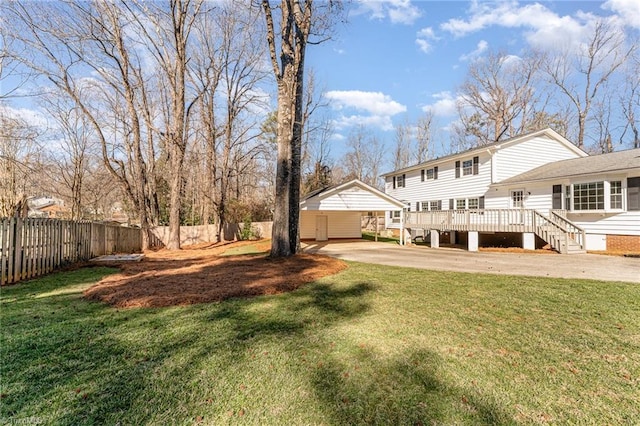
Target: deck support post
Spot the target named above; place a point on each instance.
(528, 241)
(473, 240)
(452, 237)
(435, 238)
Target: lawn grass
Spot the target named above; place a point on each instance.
(371, 236)
(371, 345)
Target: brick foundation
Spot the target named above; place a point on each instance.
(630, 243)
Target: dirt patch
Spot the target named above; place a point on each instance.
(198, 274)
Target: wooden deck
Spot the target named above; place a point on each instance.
(554, 228)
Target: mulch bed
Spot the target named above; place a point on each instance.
(199, 274)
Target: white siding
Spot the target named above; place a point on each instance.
(529, 154)
(354, 199)
(446, 186)
(340, 224)
(539, 196)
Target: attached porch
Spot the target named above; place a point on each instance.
(555, 229)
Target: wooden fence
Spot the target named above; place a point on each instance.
(33, 247)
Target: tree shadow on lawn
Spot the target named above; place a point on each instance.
(87, 363)
(92, 364)
(405, 389)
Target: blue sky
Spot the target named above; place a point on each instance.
(395, 59)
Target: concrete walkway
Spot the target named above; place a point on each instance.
(588, 266)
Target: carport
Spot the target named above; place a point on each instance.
(335, 212)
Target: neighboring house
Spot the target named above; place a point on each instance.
(508, 187)
(47, 207)
(336, 212)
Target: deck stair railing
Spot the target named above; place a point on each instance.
(560, 233)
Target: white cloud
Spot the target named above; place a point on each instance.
(365, 108)
(376, 103)
(444, 106)
(424, 37)
(424, 45)
(398, 11)
(543, 27)
(480, 49)
(627, 10)
(32, 117)
(382, 122)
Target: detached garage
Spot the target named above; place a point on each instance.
(336, 212)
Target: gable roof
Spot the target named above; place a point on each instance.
(314, 197)
(612, 162)
(494, 146)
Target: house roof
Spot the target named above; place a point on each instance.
(336, 189)
(494, 146)
(604, 163)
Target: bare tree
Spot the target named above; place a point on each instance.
(424, 136)
(19, 161)
(630, 100)
(364, 157)
(287, 59)
(498, 97)
(70, 149)
(402, 151)
(65, 42)
(582, 76)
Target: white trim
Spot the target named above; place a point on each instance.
(492, 149)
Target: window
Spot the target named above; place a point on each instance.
(461, 204)
(633, 193)
(431, 173)
(473, 203)
(616, 194)
(431, 205)
(517, 199)
(556, 203)
(399, 181)
(588, 196)
(467, 167)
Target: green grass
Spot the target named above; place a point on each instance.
(250, 249)
(370, 236)
(372, 345)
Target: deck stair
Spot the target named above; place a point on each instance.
(560, 233)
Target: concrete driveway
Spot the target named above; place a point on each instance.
(589, 266)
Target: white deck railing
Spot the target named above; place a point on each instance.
(556, 230)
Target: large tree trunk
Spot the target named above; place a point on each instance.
(281, 242)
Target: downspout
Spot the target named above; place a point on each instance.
(492, 155)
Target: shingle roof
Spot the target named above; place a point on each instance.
(612, 162)
(496, 145)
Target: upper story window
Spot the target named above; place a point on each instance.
(473, 203)
(467, 167)
(399, 181)
(429, 174)
(461, 204)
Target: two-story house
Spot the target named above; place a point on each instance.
(536, 187)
